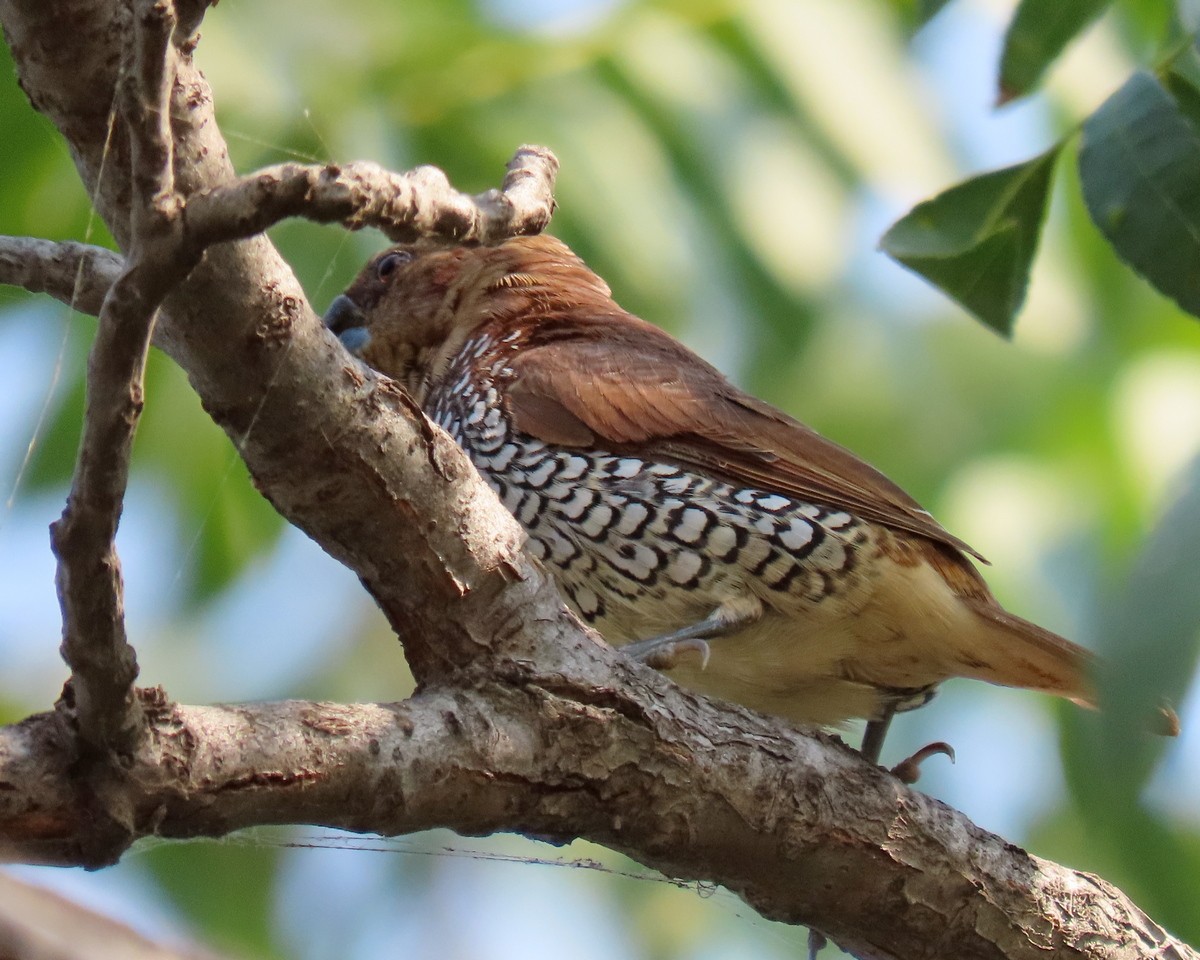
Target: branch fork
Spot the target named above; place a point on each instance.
(168, 234)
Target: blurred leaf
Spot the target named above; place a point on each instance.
(917, 13)
(53, 459)
(226, 889)
(1040, 30)
(1138, 166)
(1182, 86)
(928, 9)
(234, 526)
(1151, 860)
(39, 192)
(224, 523)
(781, 320)
(1151, 26)
(1150, 637)
(54, 448)
(976, 241)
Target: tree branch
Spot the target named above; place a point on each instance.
(404, 206)
(165, 247)
(90, 589)
(796, 824)
(77, 274)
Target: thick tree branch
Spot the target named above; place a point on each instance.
(798, 825)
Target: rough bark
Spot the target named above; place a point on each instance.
(523, 720)
(797, 824)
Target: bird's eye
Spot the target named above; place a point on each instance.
(388, 264)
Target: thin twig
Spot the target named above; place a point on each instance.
(190, 14)
(147, 109)
(77, 274)
(404, 206)
(90, 587)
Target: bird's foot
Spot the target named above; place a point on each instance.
(816, 943)
(909, 770)
(667, 653)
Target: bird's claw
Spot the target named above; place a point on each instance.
(666, 654)
(909, 770)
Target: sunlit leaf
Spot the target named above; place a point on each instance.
(976, 241)
(1138, 166)
(1039, 31)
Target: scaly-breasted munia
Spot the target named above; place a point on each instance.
(671, 506)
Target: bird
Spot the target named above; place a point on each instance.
(689, 523)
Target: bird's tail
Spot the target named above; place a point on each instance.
(1033, 657)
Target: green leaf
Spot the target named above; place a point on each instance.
(1150, 638)
(1160, 601)
(1138, 164)
(917, 13)
(1181, 85)
(226, 889)
(976, 241)
(1151, 859)
(1040, 30)
(224, 523)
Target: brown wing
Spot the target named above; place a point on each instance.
(619, 382)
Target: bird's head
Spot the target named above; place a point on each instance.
(413, 306)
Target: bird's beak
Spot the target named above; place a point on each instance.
(347, 321)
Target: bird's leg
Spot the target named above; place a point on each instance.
(907, 770)
(873, 736)
(666, 652)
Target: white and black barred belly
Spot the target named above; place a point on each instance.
(640, 547)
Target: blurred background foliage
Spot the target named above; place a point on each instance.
(729, 166)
